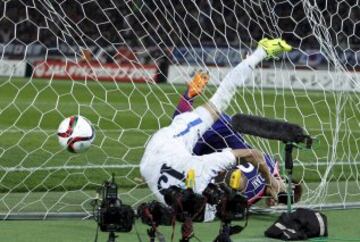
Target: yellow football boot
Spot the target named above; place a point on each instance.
(274, 47)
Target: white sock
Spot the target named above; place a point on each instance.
(235, 78)
(256, 57)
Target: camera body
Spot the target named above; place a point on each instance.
(111, 215)
(185, 202)
(155, 213)
(230, 204)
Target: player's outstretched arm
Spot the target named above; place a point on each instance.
(256, 158)
(195, 88)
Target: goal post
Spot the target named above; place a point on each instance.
(124, 65)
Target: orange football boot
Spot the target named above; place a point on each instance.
(197, 84)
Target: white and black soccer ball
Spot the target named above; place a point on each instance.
(76, 134)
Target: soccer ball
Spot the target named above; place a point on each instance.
(76, 134)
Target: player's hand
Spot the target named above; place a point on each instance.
(197, 84)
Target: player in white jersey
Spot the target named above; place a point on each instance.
(168, 155)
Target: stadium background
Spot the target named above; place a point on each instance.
(124, 64)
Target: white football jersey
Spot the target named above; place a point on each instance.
(168, 158)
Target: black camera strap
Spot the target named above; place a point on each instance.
(236, 229)
(241, 228)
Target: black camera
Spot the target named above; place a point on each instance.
(155, 213)
(185, 202)
(188, 207)
(111, 214)
(230, 204)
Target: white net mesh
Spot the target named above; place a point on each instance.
(105, 60)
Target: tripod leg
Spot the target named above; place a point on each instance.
(224, 233)
(289, 167)
(187, 230)
(151, 233)
(112, 237)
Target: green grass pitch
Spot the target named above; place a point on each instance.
(343, 226)
(125, 116)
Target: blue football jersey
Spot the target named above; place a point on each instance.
(256, 185)
(221, 136)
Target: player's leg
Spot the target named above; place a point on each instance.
(191, 126)
(195, 88)
(236, 77)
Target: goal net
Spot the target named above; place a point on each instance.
(124, 65)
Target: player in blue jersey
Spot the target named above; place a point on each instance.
(221, 136)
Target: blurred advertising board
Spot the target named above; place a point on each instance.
(12, 68)
(95, 71)
(109, 54)
(276, 78)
